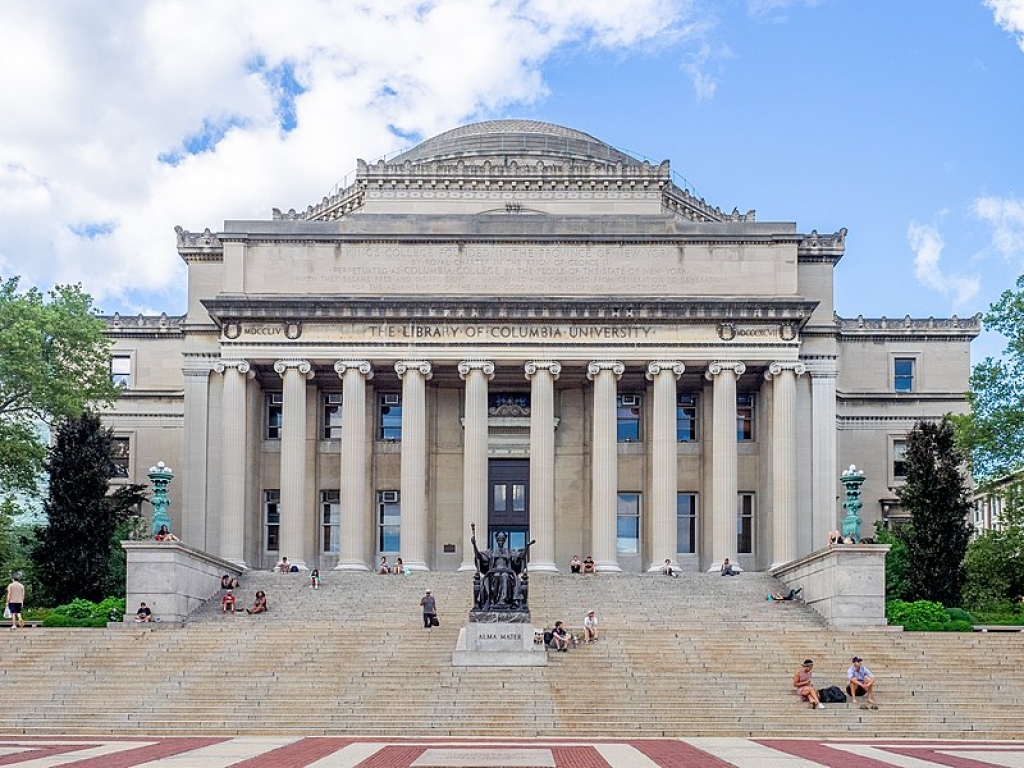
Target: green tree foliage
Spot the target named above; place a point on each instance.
(73, 554)
(937, 497)
(994, 566)
(896, 565)
(993, 431)
(54, 361)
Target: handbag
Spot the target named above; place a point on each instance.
(7, 611)
(434, 622)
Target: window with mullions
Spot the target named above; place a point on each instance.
(899, 459)
(903, 374)
(275, 404)
(744, 417)
(627, 418)
(745, 524)
(686, 418)
(389, 522)
(686, 523)
(330, 520)
(390, 425)
(627, 526)
(120, 456)
(332, 416)
(271, 518)
(121, 371)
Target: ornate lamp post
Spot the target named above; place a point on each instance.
(161, 476)
(852, 479)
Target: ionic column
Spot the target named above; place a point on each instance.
(195, 503)
(476, 374)
(295, 374)
(784, 469)
(824, 454)
(664, 485)
(604, 464)
(542, 375)
(724, 486)
(355, 511)
(232, 480)
(414, 374)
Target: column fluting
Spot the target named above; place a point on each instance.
(476, 374)
(356, 512)
(233, 446)
(542, 375)
(784, 470)
(724, 484)
(604, 465)
(414, 534)
(293, 539)
(664, 483)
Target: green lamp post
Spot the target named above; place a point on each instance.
(852, 479)
(161, 476)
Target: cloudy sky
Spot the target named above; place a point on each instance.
(901, 121)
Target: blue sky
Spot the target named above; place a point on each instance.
(900, 121)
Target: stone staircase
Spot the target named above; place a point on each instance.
(698, 655)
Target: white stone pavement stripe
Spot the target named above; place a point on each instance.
(624, 756)
(744, 753)
(1004, 758)
(110, 748)
(224, 754)
(516, 757)
(877, 752)
(350, 756)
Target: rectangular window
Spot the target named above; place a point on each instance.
(686, 523)
(275, 401)
(508, 404)
(120, 457)
(686, 418)
(745, 417)
(390, 425)
(627, 528)
(271, 518)
(627, 414)
(903, 374)
(745, 524)
(899, 459)
(389, 516)
(332, 416)
(121, 371)
(330, 519)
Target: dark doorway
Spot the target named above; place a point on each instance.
(508, 504)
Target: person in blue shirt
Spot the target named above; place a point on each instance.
(860, 680)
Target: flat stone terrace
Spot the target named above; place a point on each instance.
(701, 655)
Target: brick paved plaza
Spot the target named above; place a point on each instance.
(289, 752)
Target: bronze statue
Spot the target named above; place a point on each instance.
(502, 572)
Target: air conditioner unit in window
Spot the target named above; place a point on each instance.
(391, 399)
(389, 497)
(627, 400)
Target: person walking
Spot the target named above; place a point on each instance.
(16, 601)
(429, 605)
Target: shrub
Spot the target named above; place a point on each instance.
(958, 614)
(927, 616)
(85, 613)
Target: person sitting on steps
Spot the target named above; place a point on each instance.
(860, 680)
(227, 602)
(667, 569)
(384, 569)
(590, 628)
(165, 535)
(793, 594)
(575, 566)
(144, 615)
(728, 569)
(259, 605)
(588, 565)
(803, 681)
(399, 568)
(560, 638)
(283, 566)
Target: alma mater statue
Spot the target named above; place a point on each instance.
(502, 575)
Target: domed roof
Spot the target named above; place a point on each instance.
(519, 140)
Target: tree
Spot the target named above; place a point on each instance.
(54, 361)
(993, 432)
(994, 566)
(938, 498)
(73, 554)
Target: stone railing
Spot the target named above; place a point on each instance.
(845, 583)
(172, 578)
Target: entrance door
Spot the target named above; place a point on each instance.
(508, 506)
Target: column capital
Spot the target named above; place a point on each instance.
(779, 366)
(476, 365)
(363, 366)
(551, 366)
(615, 366)
(404, 366)
(658, 366)
(243, 367)
(718, 366)
(302, 366)
(821, 367)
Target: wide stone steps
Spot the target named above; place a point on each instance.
(699, 655)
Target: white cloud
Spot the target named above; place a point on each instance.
(1006, 216)
(94, 94)
(927, 244)
(1010, 16)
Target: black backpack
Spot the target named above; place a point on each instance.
(832, 695)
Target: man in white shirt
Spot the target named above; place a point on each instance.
(860, 680)
(590, 628)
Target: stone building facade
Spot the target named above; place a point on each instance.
(516, 327)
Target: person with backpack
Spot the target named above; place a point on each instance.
(429, 605)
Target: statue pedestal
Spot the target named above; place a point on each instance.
(498, 639)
